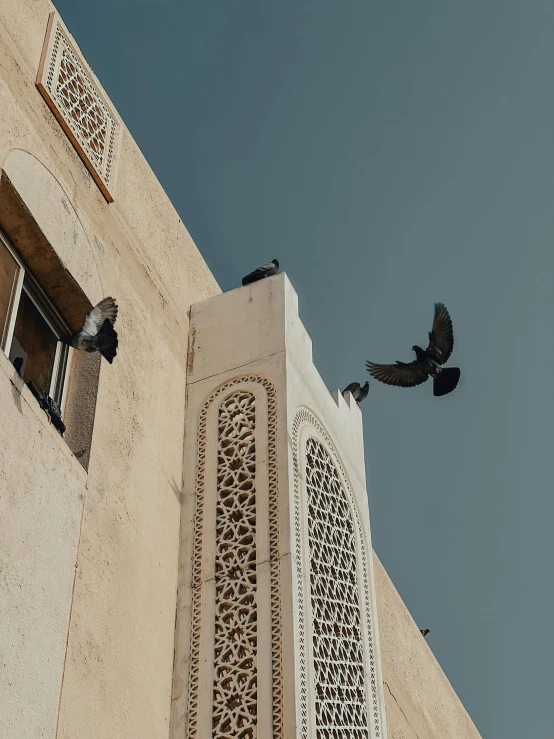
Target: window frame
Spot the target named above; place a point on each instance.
(11, 315)
(28, 283)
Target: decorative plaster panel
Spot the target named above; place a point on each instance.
(80, 104)
(227, 523)
(339, 694)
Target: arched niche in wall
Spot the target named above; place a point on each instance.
(42, 224)
(341, 679)
(39, 220)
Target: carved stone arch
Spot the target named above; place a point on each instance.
(41, 222)
(324, 705)
(235, 642)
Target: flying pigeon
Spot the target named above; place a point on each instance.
(424, 632)
(358, 393)
(428, 362)
(49, 406)
(97, 332)
(266, 270)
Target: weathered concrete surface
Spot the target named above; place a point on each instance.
(420, 702)
(41, 500)
(117, 679)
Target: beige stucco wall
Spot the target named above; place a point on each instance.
(123, 568)
(420, 702)
(40, 510)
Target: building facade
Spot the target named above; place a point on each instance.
(193, 557)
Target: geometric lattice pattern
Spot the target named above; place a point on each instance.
(235, 648)
(304, 418)
(79, 105)
(339, 676)
(235, 697)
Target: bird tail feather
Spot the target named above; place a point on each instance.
(446, 381)
(252, 277)
(108, 341)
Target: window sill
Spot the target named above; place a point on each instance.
(7, 370)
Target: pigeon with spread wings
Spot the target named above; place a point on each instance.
(97, 333)
(428, 362)
(266, 270)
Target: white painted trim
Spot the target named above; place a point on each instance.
(6, 339)
(26, 282)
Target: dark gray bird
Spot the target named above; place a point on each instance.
(266, 270)
(97, 332)
(428, 362)
(358, 393)
(18, 364)
(424, 632)
(49, 406)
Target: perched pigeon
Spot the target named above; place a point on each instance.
(49, 406)
(265, 270)
(424, 632)
(18, 364)
(358, 393)
(428, 361)
(97, 332)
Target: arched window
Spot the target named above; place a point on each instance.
(48, 282)
(340, 681)
(337, 649)
(235, 679)
(30, 326)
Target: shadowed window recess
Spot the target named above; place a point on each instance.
(30, 326)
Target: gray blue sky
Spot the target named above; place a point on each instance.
(390, 154)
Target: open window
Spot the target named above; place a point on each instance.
(30, 326)
(49, 280)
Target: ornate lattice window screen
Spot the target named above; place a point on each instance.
(80, 105)
(236, 640)
(338, 656)
(235, 697)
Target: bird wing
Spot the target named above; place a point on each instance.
(39, 394)
(267, 267)
(441, 337)
(399, 374)
(351, 388)
(258, 273)
(53, 407)
(95, 318)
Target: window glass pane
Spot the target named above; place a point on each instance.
(35, 342)
(9, 270)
